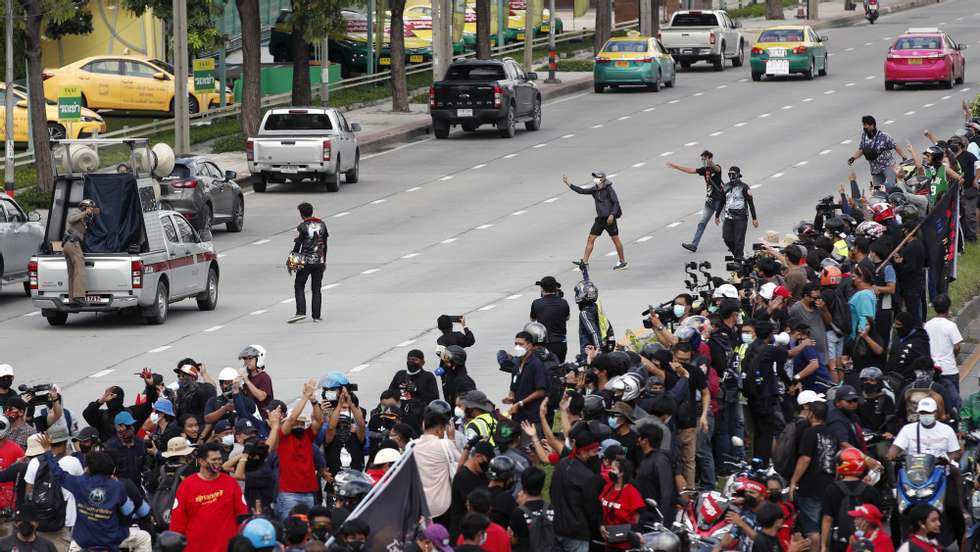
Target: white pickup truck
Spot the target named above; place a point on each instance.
(304, 143)
(138, 257)
(712, 36)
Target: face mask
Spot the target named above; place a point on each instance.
(774, 496)
(613, 423)
(519, 351)
(751, 501)
(902, 331)
(412, 368)
(614, 476)
(5, 383)
(355, 546)
(927, 420)
(597, 181)
(228, 440)
(871, 388)
(679, 310)
(732, 176)
(871, 132)
(459, 412)
(747, 338)
(320, 532)
(298, 432)
(154, 417)
(84, 448)
(213, 469)
(594, 464)
(484, 466)
(25, 530)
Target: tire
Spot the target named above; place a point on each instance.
(55, 318)
(670, 83)
(57, 131)
(889, 85)
(962, 77)
(237, 222)
(354, 174)
(331, 181)
(826, 67)
(156, 314)
(685, 64)
(208, 215)
(27, 289)
(756, 76)
(948, 83)
(506, 127)
(440, 129)
(719, 61)
(655, 85)
(598, 88)
(808, 74)
(259, 186)
(739, 60)
(535, 122)
(208, 299)
(192, 105)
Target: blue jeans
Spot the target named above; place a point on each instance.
(572, 545)
(810, 513)
(729, 424)
(704, 457)
(953, 384)
(285, 502)
(710, 208)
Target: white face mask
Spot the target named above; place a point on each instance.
(459, 412)
(154, 417)
(927, 420)
(596, 181)
(228, 440)
(678, 310)
(519, 351)
(747, 338)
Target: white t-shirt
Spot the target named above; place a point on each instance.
(70, 465)
(943, 335)
(938, 440)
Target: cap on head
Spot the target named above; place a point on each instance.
(6, 371)
(598, 174)
(227, 374)
(548, 283)
(809, 396)
(86, 203)
(164, 406)
(334, 380)
(927, 405)
(124, 418)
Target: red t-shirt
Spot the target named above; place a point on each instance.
(618, 507)
(10, 452)
(881, 541)
(206, 512)
(498, 540)
(297, 474)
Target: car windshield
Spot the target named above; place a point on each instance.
(694, 19)
(626, 46)
(476, 72)
(180, 171)
(298, 121)
(918, 43)
(782, 35)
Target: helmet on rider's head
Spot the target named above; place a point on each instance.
(625, 387)
(850, 462)
(353, 487)
(650, 349)
(690, 335)
(256, 351)
(830, 276)
(871, 229)
(537, 331)
(805, 229)
(501, 468)
(898, 199)
(586, 291)
(594, 407)
(835, 225)
(744, 483)
(882, 212)
(725, 290)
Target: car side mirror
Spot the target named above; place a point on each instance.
(230, 175)
(532, 76)
(34, 216)
(22, 104)
(160, 75)
(824, 38)
(738, 24)
(355, 127)
(961, 46)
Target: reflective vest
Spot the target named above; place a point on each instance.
(482, 426)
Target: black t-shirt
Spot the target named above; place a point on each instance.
(765, 543)
(821, 446)
(689, 411)
(40, 544)
(712, 182)
(966, 161)
(464, 482)
(502, 505)
(519, 522)
(628, 442)
(833, 496)
(553, 312)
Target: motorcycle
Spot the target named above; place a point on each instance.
(704, 522)
(871, 10)
(921, 480)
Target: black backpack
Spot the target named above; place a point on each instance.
(48, 499)
(784, 451)
(844, 524)
(540, 528)
(840, 314)
(163, 501)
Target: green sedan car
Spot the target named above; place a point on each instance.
(633, 60)
(788, 50)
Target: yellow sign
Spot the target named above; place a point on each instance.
(415, 59)
(384, 61)
(70, 91)
(206, 64)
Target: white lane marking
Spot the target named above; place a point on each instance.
(869, 77)
(600, 125)
(721, 86)
(370, 271)
(406, 343)
(260, 242)
(754, 186)
(740, 124)
(613, 175)
(448, 240)
(35, 313)
(222, 255)
(536, 146)
(214, 328)
(845, 142)
(611, 253)
(343, 214)
(967, 89)
(378, 201)
(480, 166)
(250, 192)
(414, 189)
(945, 97)
(867, 44)
(445, 178)
(638, 165)
(359, 367)
(510, 156)
(787, 107)
(849, 49)
(928, 105)
(764, 115)
(942, 24)
(518, 213)
(287, 301)
(825, 152)
(805, 100)
(716, 133)
(623, 118)
(699, 213)
(743, 80)
(801, 163)
(907, 113)
(330, 286)
(831, 54)
(515, 296)
(644, 238)
(649, 109)
(101, 373)
(666, 153)
(485, 308)
(673, 224)
(551, 200)
(410, 255)
(850, 84)
(258, 312)
(888, 122)
(828, 92)
(159, 349)
(567, 136)
(777, 175)
(689, 144)
(483, 226)
(699, 94)
(674, 101)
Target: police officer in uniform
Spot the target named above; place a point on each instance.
(310, 244)
(71, 246)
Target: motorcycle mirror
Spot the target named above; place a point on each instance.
(651, 503)
(737, 441)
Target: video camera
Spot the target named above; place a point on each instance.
(38, 393)
(826, 206)
(664, 311)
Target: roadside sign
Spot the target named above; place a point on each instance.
(204, 75)
(70, 103)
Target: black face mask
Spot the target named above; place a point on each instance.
(774, 496)
(25, 530)
(751, 502)
(85, 449)
(321, 533)
(298, 432)
(484, 466)
(412, 368)
(355, 546)
(594, 464)
(903, 331)
(871, 132)
(871, 388)
(5, 383)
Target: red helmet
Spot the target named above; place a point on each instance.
(882, 212)
(850, 462)
(831, 276)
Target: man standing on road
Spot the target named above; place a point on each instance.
(876, 146)
(551, 309)
(607, 211)
(310, 244)
(738, 206)
(71, 246)
(714, 193)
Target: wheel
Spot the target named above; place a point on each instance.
(27, 289)
(962, 76)
(686, 64)
(54, 317)
(655, 85)
(535, 122)
(719, 61)
(948, 83)
(756, 76)
(237, 221)
(739, 60)
(598, 87)
(207, 216)
(468, 127)
(506, 126)
(157, 312)
(331, 181)
(354, 174)
(440, 129)
(889, 85)
(56, 132)
(826, 67)
(259, 185)
(208, 299)
(808, 74)
(192, 105)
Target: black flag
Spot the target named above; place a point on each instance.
(939, 234)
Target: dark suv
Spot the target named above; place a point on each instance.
(480, 92)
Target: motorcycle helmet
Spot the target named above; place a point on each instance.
(850, 462)
(650, 349)
(625, 387)
(440, 407)
(830, 276)
(353, 486)
(898, 199)
(836, 226)
(594, 407)
(725, 290)
(256, 351)
(227, 374)
(690, 335)
(260, 532)
(660, 541)
(586, 291)
(805, 230)
(501, 468)
(4, 427)
(882, 212)
(871, 229)
(455, 354)
(935, 154)
(537, 331)
(171, 541)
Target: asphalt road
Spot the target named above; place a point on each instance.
(466, 225)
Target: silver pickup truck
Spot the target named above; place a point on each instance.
(304, 143)
(138, 257)
(712, 36)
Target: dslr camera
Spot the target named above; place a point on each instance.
(38, 393)
(826, 206)
(664, 311)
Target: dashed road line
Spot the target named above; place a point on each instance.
(515, 296)
(445, 178)
(825, 152)
(907, 113)
(649, 109)
(287, 301)
(258, 312)
(567, 136)
(406, 343)
(850, 84)
(101, 373)
(928, 105)
(967, 89)
(828, 92)
(370, 271)
(945, 97)
(849, 49)
(689, 144)
(510, 156)
(343, 214)
(674, 101)
(214, 328)
(638, 165)
(448, 240)
(623, 118)
(378, 201)
(801, 163)
(870, 77)
(673, 224)
(611, 253)
(600, 125)
(666, 153)
(785, 107)
(698, 94)
(777, 175)
(359, 368)
(754, 186)
(536, 146)
(740, 124)
(159, 349)
(330, 286)
(35, 313)
(261, 242)
(867, 44)
(805, 100)
(410, 255)
(483, 226)
(485, 308)
(764, 115)
(721, 86)
(845, 142)
(888, 122)
(551, 200)
(518, 213)
(644, 238)
(716, 133)
(480, 166)
(414, 189)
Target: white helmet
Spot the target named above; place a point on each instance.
(4, 427)
(227, 374)
(537, 331)
(627, 384)
(256, 351)
(725, 290)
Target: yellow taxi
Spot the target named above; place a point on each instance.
(129, 83)
(89, 124)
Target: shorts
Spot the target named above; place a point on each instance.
(810, 513)
(835, 345)
(600, 225)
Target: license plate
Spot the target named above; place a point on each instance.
(915, 61)
(622, 64)
(96, 299)
(777, 67)
(687, 51)
(384, 61)
(289, 170)
(415, 59)
(545, 29)
(464, 112)
(777, 52)
(520, 36)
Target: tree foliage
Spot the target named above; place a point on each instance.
(80, 22)
(202, 34)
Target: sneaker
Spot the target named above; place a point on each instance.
(581, 264)
(620, 265)
(690, 247)
(296, 319)
(318, 320)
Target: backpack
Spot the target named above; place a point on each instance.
(915, 394)
(163, 501)
(784, 451)
(540, 528)
(840, 314)
(48, 499)
(844, 527)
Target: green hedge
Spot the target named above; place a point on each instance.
(756, 10)
(571, 65)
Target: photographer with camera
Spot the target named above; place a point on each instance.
(664, 317)
(415, 387)
(714, 193)
(449, 337)
(346, 429)
(737, 198)
(876, 146)
(78, 225)
(231, 404)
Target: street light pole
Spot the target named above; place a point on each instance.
(8, 167)
(182, 136)
(222, 66)
(325, 72)
(552, 54)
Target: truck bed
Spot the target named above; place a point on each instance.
(290, 151)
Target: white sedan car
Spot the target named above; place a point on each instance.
(21, 235)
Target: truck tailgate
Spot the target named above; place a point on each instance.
(290, 151)
(466, 95)
(686, 37)
(103, 274)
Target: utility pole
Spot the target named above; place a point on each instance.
(370, 38)
(646, 29)
(502, 22)
(222, 68)
(182, 134)
(442, 18)
(528, 38)
(8, 167)
(552, 54)
(324, 72)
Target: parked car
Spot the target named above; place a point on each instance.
(205, 195)
(786, 50)
(130, 83)
(633, 60)
(480, 92)
(304, 143)
(90, 122)
(712, 36)
(21, 235)
(925, 55)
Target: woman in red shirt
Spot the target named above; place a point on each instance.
(621, 502)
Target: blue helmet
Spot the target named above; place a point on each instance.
(260, 533)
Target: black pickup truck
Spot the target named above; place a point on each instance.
(480, 92)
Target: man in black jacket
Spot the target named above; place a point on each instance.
(910, 269)
(911, 342)
(607, 211)
(455, 380)
(113, 399)
(415, 387)
(464, 338)
(654, 475)
(192, 395)
(310, 244)
(575, 488)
